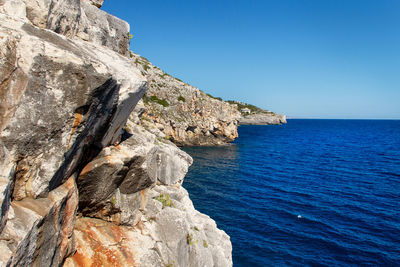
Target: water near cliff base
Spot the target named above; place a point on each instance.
(312, 192)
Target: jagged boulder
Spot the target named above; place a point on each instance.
(87, 97)
(78, 19)
(263, 119)
(170, 233)
(81, 19)
(39, 232)
(113, 185)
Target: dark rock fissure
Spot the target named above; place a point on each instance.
(102, 103)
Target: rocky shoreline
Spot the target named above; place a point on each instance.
(90, 171)
(82, 182)
(263, 119)
(182, 113)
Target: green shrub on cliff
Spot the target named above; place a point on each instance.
(153, 98)
(165, 200)
(181, 98)
(218, 98)
(190, 241)
(253, 109)
(144, 62)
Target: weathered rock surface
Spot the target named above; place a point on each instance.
(262, 119)
(97, 3)
(170, 233)
(78, 19)
(70, 145)
(183, 113)
(62, 102)
(39, 231)
(87, 94)
(113, 185)
(7, 169)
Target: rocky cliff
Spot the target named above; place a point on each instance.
(252, 115)
(187, 116)
(182, 113)
(262, 119)
(82, 183)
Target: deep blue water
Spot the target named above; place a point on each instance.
(341, 176)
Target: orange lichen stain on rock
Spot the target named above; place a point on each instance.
(77, 121)
(143, 199)
(101, 244)
(79, 259)
(125, 251)
(85, 170)
(108, 158)
(102, 256)
(21, 178)
(140, 226)
(67, 226)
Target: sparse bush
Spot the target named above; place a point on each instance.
(145, 66)
(181, 98)
(164, 75)
(165, 200)
(189, 239)
(154, 98)
(252, 108)
(218, 98)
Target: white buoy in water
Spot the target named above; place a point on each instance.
(299, 216)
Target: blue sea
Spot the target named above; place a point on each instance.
(308, 193)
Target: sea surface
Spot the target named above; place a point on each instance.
(308, 193)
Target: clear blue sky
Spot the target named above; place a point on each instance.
(303, 58)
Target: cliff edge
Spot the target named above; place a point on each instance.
(81, 182)
(182, 113)
(252, 115)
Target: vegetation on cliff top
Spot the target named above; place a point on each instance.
(247, 109)
(153, 98)
(244, 108)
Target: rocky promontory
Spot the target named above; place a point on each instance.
(187, 116)
(263, 119)
(252, 115)
(82, 181)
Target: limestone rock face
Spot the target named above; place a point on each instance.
(78, 19)
(71, 148)
(7, 169)
(88, 23)
(87, 101)
(97, 3)
(170, 233)
(263, 119)
(62, 101)
(183, 113)
(39, 232)
(113, 185)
